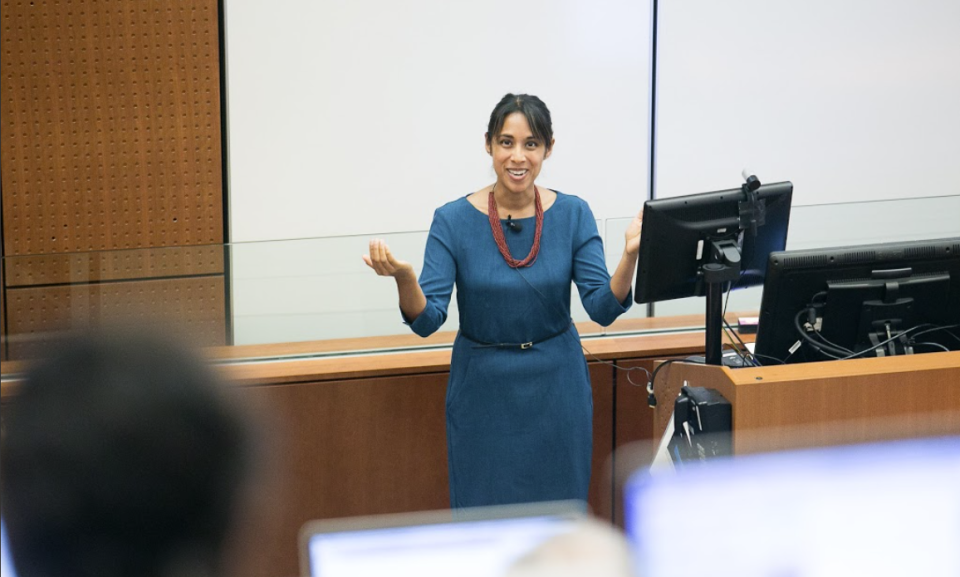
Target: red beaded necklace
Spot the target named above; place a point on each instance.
(497, 230)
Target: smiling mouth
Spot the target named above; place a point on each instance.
(519, 173)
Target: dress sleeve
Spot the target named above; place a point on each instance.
(590, 273)
(437, 277)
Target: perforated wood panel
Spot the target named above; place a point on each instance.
(110, 117)
(110, 125)
(192, 305)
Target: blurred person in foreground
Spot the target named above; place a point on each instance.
(592, 549)
(122, 457)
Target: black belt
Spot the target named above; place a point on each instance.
(522, 346)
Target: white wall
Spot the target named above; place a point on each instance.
(362, 116)
(853, 100)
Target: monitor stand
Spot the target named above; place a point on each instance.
(724, 267)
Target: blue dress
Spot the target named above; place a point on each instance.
(519, 421)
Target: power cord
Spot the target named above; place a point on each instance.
(651, 391)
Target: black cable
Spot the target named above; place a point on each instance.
(744, 354)
(726, 299)
(813, 299)
(944, 328)
(747, 356)
(935, 345)
(780, 361)
(723, 317)
(614, 364)
(904, 333)
(824, 345)
(814, 305)
(821, 347)
(882, 343)
(952, 335)
(726, 329)
(831, 343)
(651, 392)
(830, 355)
(806, 335)
(913, 332)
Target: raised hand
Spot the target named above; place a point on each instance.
(382, 261)
(632, 236)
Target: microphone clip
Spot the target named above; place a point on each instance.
(513, 225)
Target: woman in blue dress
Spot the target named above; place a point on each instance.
(519, 405)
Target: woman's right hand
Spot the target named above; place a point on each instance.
(382, 261)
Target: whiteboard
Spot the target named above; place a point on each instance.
(852, 101)
(361, 117)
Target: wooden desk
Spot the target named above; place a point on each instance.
(817, 404)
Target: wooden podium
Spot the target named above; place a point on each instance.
(827, 403)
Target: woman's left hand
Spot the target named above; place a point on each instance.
(632, 236)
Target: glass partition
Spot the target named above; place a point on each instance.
(181, 289)
(317, 289)
(318, 294)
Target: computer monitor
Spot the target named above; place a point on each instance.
(858, 301)
(695, 245)
(873, 509)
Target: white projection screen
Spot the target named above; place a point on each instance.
(852, 101)
(354, 117)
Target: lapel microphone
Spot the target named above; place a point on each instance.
(514, 226)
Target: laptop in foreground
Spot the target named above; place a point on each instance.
(477, 542)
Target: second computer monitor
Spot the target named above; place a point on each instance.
(861, 301)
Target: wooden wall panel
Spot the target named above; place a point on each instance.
(111, 124)
(633, 428)
(356, 447)
(600, 495)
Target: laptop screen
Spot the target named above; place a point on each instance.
(477, 542)
(877, 509)
(6, 563)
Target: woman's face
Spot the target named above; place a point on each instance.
(517, 154)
